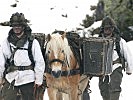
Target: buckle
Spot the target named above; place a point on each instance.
(21, 68)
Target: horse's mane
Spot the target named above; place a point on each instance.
(56, 42)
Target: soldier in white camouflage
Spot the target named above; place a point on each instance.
(110, 85)
(20, 73)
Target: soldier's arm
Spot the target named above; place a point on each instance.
(127, 55)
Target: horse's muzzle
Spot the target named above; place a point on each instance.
(56, 74)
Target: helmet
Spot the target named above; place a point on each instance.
(18, 19)
(108, 22)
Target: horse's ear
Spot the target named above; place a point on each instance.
(48, 37)
(64, 35)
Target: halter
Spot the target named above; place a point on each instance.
(63, 73)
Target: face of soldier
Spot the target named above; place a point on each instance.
(108, 31)
(18, 29)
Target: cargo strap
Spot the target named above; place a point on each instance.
(30, 51)
(20, 68)
(116, 61)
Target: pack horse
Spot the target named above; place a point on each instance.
(66, 78)
(62, 69)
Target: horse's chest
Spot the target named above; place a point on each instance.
(58, 83)
(63, 84)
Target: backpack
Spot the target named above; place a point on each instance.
(40, 37)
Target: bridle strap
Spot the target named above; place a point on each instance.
(56, 60)
(65, 73)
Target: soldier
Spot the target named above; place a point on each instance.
(109, 85)
(21, 73)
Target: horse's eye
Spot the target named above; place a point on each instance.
(62, 51)
(48, 51)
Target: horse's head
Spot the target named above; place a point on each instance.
(58, 54)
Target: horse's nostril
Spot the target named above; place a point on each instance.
(56, 74)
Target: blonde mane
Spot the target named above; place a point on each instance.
(57, 42)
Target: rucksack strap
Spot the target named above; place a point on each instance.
(30, 51)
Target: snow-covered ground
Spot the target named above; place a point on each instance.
(126, 94)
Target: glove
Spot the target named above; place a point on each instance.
(38, 92)
(128, 73)
(40, 89)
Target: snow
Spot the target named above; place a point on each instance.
(126, 85)
(45, 20)
(126, 88)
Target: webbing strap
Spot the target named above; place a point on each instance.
(30, 51)
(65, 73)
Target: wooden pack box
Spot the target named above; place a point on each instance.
(97, 56)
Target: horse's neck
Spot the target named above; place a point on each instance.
(71, 60)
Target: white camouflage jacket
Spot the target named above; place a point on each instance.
(21, 58)
(126, 53)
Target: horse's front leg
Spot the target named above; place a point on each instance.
(52, 93)
(82, 85)
(74, 93)
(59, 96)
(66, 96)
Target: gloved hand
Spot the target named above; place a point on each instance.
(38, 92)
(39, 89)
(128, 73)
